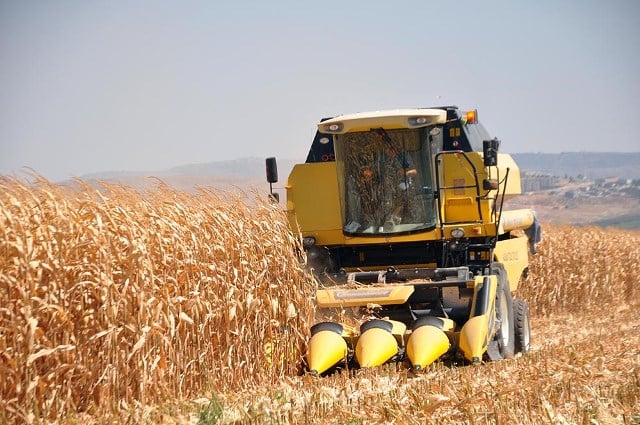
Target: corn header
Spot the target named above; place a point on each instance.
(401, 216)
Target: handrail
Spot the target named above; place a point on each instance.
(440, 188)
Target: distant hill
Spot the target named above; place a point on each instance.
(249, 168)
(242, 173)
(611, 207)
(242, 168)
(592, 165)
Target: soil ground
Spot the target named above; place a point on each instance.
(555, 207)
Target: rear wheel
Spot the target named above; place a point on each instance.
(503, 344)
(522, 326)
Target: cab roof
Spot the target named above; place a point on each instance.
(387, 119)
(457, 135)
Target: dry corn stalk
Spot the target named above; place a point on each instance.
(112, 298)
(582, 269)
(109, 297)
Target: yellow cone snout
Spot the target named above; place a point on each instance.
(376, 344)
(428, 341)
(326, 347)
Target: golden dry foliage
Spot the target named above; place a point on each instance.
(587, 373)
(114, 304)
(112, 299)
(582, 268)
(584, 293)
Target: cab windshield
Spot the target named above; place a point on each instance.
(386, 180)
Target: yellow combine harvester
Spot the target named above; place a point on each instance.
(400, 213)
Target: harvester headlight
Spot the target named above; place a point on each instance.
(418, 121)
(324, 140)
(308, 241)
(335, 127)
(457, 233)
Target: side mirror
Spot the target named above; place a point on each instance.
(489, 184)
(490, 151)
(272, 177)
(272, 170)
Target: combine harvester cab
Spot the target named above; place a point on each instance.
(400, 214)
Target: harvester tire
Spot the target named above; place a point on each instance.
(522, 326)
(503, 344)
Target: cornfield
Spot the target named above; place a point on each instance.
(110, 299)
(583, 269)
(119, 305)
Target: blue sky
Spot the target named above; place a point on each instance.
(89, 86)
